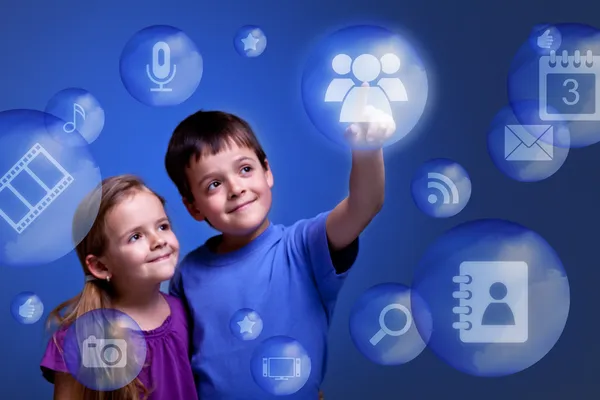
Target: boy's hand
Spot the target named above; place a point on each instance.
(377, 126)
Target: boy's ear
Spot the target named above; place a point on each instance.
(269, 174)
(194, 212)
(96, 267)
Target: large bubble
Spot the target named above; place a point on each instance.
(364, 63)
(161, 66)
(43, 178)
(498, 295)
(558, 68)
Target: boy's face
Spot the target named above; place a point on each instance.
(231, 190)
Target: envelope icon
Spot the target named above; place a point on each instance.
(529, 142)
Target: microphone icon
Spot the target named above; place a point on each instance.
(161, 67)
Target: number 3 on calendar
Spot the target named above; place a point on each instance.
(569, 87)
(572, 90)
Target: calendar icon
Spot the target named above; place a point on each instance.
(569, 87)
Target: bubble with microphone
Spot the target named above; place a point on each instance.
(161, 66)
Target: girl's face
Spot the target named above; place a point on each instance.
(142, 248)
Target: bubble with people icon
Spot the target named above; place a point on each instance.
(498, 296)
(364, 66)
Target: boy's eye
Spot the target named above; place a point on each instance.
(164, 227)
(213, 185)
(247, 169)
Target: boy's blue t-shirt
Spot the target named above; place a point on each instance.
(287, 276)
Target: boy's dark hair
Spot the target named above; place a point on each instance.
(206, 132)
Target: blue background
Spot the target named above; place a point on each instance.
(49, 46)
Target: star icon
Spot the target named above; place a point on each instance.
(250, 42)
(246, 325)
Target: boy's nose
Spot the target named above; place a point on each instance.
(236, 190)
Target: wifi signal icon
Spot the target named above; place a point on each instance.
(445, 186)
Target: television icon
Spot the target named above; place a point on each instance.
(281, 368)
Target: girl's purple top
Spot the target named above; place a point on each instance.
(167, 372)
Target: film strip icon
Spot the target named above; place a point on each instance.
(52, 193)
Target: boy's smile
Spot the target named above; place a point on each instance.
(231, 190)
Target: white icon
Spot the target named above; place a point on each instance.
(545, 40)
(250, 42)
(246, 325)
(52, 191)
(493, 302)
(30, 309)
(569, 89)
(366, 68)
(71, 126)
(281, 368)
(104, 353)
(383, 328)
(162, 73)
(445, 186)
(528, 142)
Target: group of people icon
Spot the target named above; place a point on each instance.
(365, 68)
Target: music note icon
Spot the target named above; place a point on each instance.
(71, 126)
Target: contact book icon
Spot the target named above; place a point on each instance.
(493, 302)
(30, 186)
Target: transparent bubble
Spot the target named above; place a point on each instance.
(382, 327)
(335, 71)
(280, 365)
(27, 308)
(250, 41)
(558, 69)
(441, 188)
(104, 349)
(498, 295)
(43, 179)
(81, 112)
(161, 66)
(246, 324)
(527, 150)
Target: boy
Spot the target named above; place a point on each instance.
(290, 276)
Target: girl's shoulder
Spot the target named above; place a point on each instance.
(178, 310)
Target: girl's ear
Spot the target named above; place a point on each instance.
(97, 267)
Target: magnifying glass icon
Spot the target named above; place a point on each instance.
(384, 330)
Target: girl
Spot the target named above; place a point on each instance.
(129, 250)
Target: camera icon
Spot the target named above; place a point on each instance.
(104, 353)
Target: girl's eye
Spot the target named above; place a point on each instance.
(135, 236)
(247, 169)
(164, 227)
(213, 185)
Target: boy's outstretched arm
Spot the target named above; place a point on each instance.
(367, 180)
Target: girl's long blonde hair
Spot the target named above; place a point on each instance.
(97, 294)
